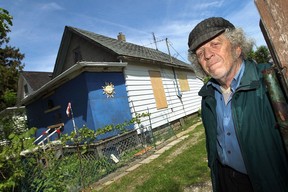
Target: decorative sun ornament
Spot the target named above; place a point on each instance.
(109, 90)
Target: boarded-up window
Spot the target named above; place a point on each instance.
(184, 85)
(158, 89)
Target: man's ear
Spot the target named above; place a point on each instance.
(238, 51)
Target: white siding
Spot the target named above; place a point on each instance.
(141, 98)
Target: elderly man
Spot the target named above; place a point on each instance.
(245, 148)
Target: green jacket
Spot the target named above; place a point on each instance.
(259, 139)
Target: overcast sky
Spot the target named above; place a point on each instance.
(38, 25)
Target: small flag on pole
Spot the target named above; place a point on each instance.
(68, 110)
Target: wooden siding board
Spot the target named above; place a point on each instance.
(150, 103)
(138, 78)
(140, 92)
(138, 88)
(139, 83)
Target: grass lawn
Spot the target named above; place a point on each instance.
(181, 166)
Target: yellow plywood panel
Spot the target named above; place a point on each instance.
(158, 89)
(184, 85)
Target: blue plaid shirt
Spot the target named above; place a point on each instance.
(227, 144)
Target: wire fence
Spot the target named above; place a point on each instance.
(73, 168)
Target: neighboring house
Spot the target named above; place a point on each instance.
(13, 119)
(108, 81)
(31, 81)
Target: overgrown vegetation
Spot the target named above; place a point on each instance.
(11, 167)
(26, 166)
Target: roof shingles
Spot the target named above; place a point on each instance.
(123, 48)
(36, 79)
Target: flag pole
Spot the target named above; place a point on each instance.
(73, 121)
(68, 112)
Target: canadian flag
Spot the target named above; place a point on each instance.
(68, 110)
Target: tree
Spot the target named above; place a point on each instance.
(261, 55)
(251, 55)
(10, 63)
(5, 22)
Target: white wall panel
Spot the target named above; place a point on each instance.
(141, 97)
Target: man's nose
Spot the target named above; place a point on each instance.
(208, 53)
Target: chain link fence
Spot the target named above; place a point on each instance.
(74, 168)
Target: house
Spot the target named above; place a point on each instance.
(13, 119)
(31, 81)
(107, 81)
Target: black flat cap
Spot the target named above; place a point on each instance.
(206, 30)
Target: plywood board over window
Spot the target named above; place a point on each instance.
(158, 89)
(183, 82)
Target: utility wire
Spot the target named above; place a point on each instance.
(154, 42)
(177, 53)
(169, 44)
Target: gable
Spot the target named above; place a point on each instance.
(80, 49)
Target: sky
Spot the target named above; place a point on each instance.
(38, 25)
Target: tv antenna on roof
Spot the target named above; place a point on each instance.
(155, 42)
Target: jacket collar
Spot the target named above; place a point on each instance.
(249, 81)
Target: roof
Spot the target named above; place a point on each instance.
(36, 79)
(123, 48)
(41, 81)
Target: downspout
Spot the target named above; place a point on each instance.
(179, 94)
